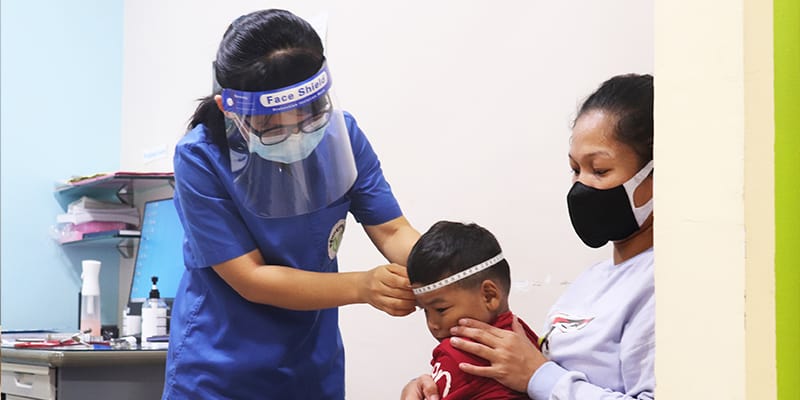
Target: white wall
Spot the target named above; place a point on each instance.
(468, 105)
(716, 221)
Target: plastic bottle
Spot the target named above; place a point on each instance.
(154, 314)
(131, 324)
(90, 297)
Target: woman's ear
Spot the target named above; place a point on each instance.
(491, 294)
(218, 100)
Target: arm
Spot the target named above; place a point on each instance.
(512, 360)
(445, 380)
(637, 362)
(512, 357)
(394, 239)
(383, 287)
(554, 381)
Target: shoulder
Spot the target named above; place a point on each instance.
(197, 143)
(640, 268)
(197, 137)
(362, 148)
(352, 126)
(349, 119)
(625, 286)
(447, 354)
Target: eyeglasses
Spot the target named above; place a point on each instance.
(277, 134)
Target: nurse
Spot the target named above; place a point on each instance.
(264, 179)
(599, 338)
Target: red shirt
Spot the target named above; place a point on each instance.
(455, 384)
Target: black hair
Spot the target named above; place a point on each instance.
(263, 50)
(630, 98)
(451, 247)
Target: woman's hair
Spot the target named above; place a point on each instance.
(263, 50)
(630, 98)
(448, 248)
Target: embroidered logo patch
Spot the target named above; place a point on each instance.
(335, 238)
(563, 323)
(567, 323)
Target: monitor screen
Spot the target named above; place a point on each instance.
(160, 251)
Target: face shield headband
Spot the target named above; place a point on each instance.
(459, 276)
(279, 100)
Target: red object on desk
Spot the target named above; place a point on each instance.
(45, 344)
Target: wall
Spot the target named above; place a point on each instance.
(60, 74)
(787, 195)
(468, 107)
(716, 221)
(759, 200)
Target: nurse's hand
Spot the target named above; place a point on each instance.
(387, 289)
(512, 357)
(422, 388)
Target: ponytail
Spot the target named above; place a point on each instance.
(209, 114)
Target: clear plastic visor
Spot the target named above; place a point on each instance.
(290, 149)
(271, 129)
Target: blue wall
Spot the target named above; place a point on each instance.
(60, 107)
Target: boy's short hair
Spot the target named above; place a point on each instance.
(448, 248)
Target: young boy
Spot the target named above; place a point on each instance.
(458, 270)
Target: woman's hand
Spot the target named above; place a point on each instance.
(387, 288)
(512, 357)
(422, 388)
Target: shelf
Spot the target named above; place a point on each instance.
(117, 187)
(124, 243)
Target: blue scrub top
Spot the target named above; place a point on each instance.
(223, 346)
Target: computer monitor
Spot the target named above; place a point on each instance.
(160, 252)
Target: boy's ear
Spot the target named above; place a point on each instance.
(491, 294)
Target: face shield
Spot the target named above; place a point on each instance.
(290, 149)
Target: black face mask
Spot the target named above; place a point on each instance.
(600, 216)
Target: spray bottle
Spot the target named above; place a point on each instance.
(90, 297)
(154, 314)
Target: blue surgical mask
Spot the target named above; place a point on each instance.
(296, 147)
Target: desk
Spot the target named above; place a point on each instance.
(82, 374)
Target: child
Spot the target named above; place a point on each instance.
(458, 270)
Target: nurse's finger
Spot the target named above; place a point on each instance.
(392, 280)
(429, 388)
(420, 388)
(403, 293)
(397, 269)
(397, 308)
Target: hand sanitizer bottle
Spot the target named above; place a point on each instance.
(154, 315)
(90, 297)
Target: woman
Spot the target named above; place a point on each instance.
(264, 180)
(599, 342)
